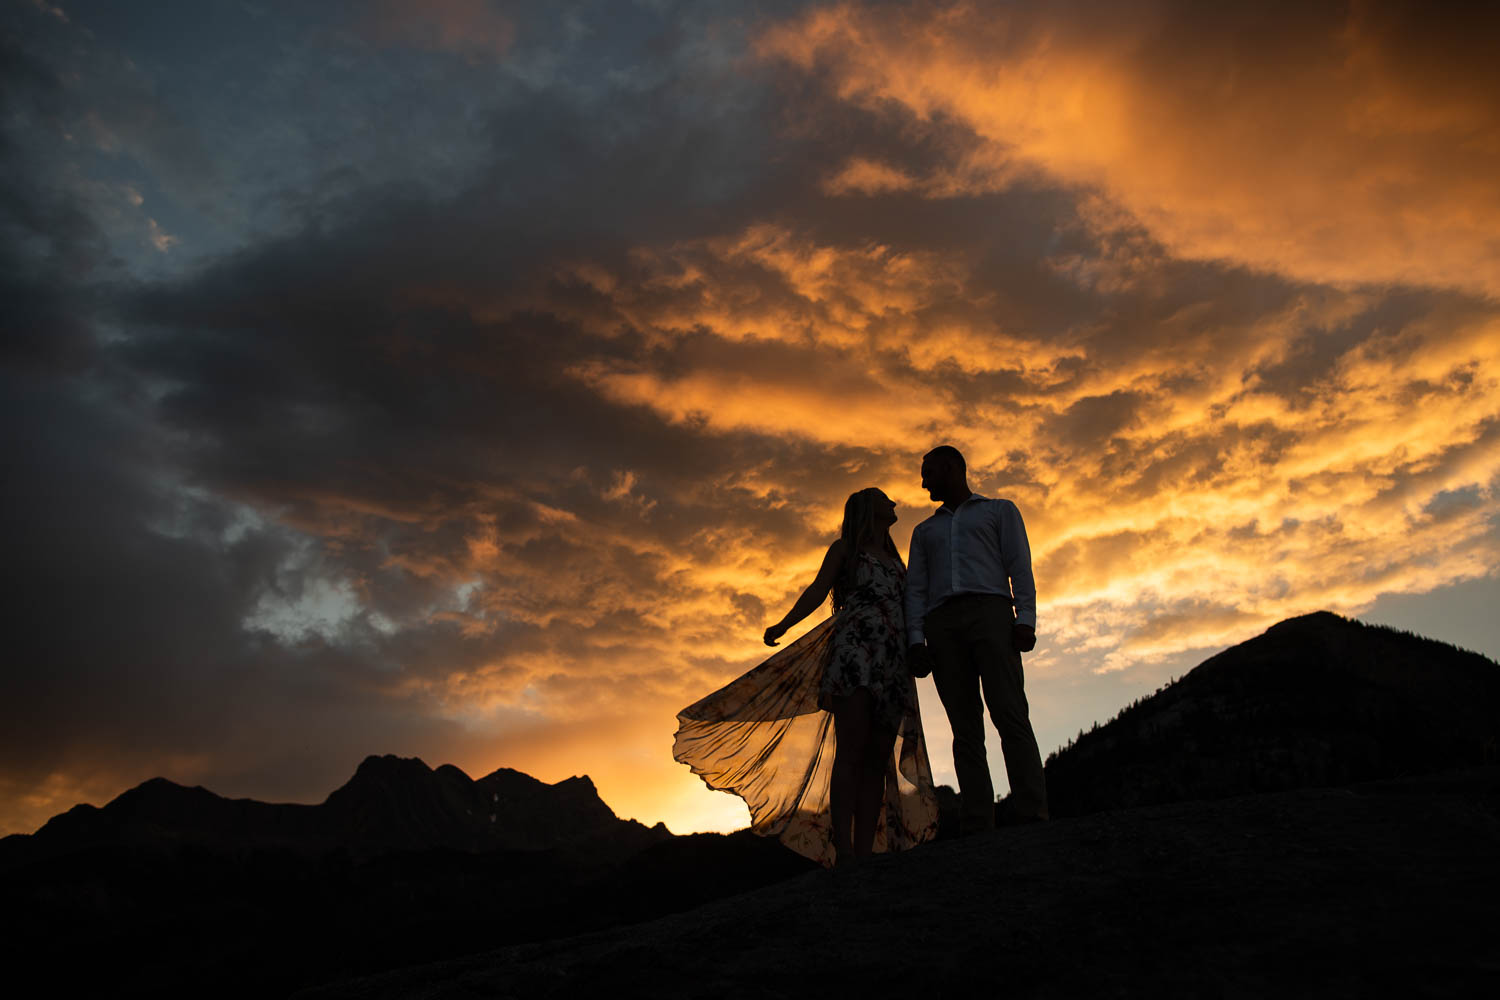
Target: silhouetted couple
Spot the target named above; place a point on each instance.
(824, 739)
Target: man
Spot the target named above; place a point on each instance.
(970, 614)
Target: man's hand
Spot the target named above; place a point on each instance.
(775, 632)
(919, 659)
(1022, 637)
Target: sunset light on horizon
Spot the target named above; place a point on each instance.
(476, 381)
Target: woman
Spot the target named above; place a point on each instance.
(862, 784)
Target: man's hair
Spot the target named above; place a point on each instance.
(948, 453)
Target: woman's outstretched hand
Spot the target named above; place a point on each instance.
(775, 632)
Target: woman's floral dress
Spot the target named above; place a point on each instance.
(768, 735)
(869, 643)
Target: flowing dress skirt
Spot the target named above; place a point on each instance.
(765, 738)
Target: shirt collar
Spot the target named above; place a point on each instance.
(946, 509)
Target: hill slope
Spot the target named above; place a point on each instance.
(1378, 890)
(1315, 701)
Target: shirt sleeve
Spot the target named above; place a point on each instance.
(1015, 553)
(916, 588)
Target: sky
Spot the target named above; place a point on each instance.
(477, 380)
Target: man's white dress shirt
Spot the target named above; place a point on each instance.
(979, 547)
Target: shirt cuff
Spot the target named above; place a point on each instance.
(914, 637)
(1026, 618)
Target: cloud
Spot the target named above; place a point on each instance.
(504, 470)
(1334, 144)
(1212, 433)
(469, 27)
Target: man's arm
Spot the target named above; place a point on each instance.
(918, 657)
(916, 588)
(1015, 555)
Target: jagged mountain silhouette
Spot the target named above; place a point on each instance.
(176, 891)
(1315, 701)
(390, 804)
(401, 803)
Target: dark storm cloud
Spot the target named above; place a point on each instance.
(50, 245)
(338, 382)
(129, 647)
(1092, 420)
(366, 427)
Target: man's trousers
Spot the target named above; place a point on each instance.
(970, 640)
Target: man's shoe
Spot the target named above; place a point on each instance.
(968, 828)
(1005, 815)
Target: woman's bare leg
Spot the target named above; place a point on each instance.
(851, 729)
(869, 795)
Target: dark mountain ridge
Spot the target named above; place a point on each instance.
(1314, 701)
(390, 804)
(177, 891)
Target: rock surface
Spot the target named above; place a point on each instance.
(1379, 889)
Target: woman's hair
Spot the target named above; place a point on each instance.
(859, 525)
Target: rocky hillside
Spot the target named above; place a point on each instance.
(1314, 701)
(1371, 891)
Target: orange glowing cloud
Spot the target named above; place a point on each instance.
(1332, 144)
(1160, 463)
(1185, 482)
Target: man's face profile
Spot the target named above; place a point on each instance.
(931, 477)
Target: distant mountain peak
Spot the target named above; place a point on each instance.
(161, 790)
(389, 803)
(1315, 619)
(388, 763)
(510, 774)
